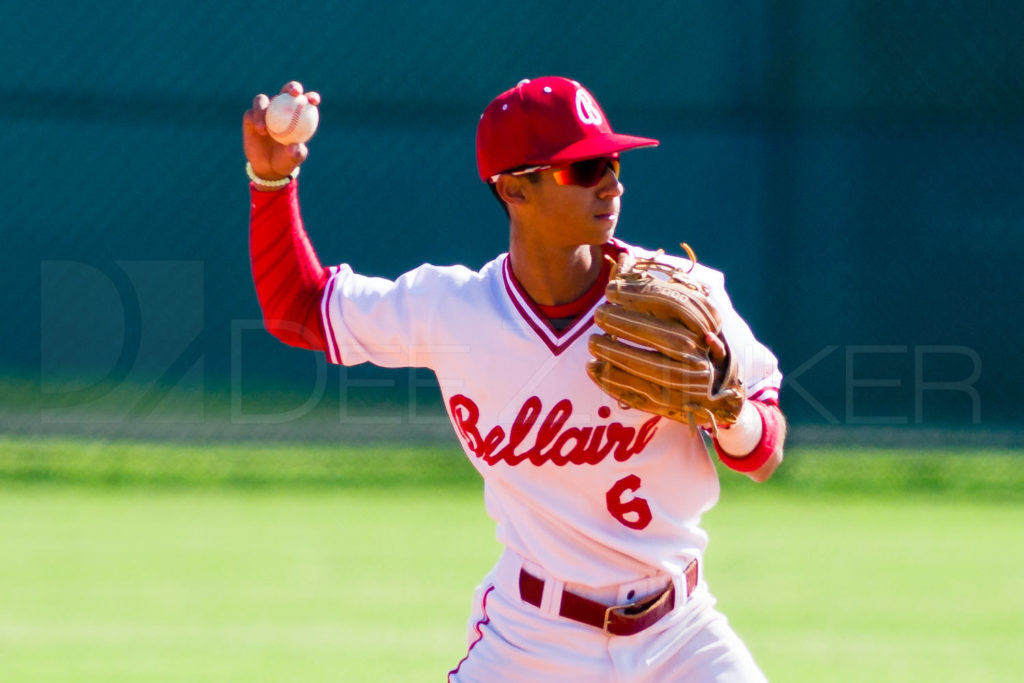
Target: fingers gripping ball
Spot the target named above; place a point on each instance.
(291, 119)
(662, 350)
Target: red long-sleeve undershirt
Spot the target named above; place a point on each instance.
(288, 275)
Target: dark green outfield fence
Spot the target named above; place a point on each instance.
(856, 168)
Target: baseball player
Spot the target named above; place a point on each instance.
(596, 502)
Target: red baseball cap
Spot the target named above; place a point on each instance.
(550, 120)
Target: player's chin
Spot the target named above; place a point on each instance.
(604, 224)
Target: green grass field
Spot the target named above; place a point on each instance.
(141, 562)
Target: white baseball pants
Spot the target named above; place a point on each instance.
(510, 640)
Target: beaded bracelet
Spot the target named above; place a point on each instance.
(270, 184)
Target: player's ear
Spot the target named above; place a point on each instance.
(511, 189)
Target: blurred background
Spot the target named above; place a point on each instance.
(855, 168)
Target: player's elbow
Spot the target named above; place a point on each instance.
(293, 333)
(294, 318)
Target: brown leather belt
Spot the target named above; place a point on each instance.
(616, 620)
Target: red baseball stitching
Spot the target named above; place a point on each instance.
(293, 123)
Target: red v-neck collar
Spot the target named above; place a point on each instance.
(539, 317)
(582, 304)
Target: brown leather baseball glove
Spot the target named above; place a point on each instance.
(663, 351)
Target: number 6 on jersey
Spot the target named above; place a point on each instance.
(633, 512)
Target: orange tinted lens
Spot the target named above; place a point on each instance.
(586, 173)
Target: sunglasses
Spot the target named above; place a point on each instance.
(586, 173)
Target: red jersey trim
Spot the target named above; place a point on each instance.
(769, 395)
(333, 352)
(557, 341)
(538, 316)
(479, 628)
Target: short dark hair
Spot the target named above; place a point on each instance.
(533, 177)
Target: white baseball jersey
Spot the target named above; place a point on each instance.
(594, 493)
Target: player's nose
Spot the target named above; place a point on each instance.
(610, 185)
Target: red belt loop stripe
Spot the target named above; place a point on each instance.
(616, 620)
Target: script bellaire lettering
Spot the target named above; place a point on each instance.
(553, 442)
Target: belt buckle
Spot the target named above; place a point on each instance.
(608, 616)
(641, 607)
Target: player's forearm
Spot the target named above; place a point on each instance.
(754, 446)
(288, 276)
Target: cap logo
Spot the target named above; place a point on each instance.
(586, 108)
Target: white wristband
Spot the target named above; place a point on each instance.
(742, 438)
(270, 184)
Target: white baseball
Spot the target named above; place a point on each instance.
(291, 119)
